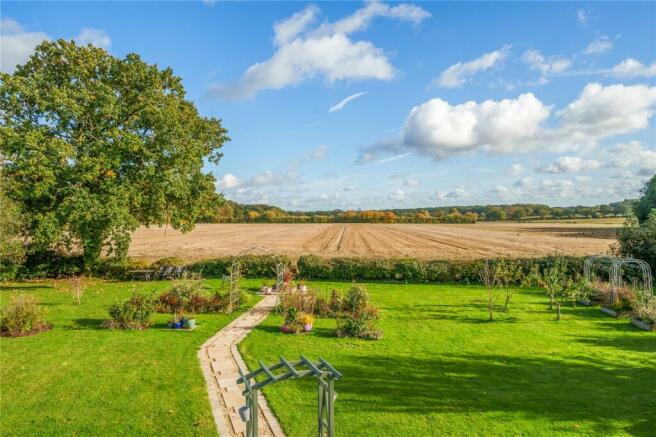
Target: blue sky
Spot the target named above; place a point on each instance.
(380, 105)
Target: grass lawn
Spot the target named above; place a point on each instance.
(442, 369)
(78, 379)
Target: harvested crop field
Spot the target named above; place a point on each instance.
(426, 241)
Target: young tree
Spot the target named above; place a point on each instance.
(508, 274)
(555, 282)
(95, 145)
(488, 274)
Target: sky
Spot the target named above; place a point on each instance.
(355, 105)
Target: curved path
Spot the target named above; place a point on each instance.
(220, 361)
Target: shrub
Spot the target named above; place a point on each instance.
(187, 296)
(639, 241)
(22, 316)
(134, 313)
(357, 299)
(360, 325)
(252, 266)
(358, 318)
(645, 309)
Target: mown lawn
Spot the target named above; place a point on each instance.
(79, 379)
(442, 369)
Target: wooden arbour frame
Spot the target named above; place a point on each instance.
(282, 371)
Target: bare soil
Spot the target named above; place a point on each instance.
(426, 241)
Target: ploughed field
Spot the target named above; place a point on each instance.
(426, 241)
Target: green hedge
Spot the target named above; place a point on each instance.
(307, 267)
(412, 270)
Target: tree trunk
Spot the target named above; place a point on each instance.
(490, 304)
(505, 305)
(558, 311)
(551, 302)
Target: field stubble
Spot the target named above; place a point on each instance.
(425, 241)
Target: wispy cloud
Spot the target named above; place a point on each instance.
(457, 74)
(341, 105)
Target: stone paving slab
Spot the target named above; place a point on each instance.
(221, 361)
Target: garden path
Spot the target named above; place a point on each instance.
(220, 361)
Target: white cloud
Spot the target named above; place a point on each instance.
(397, 195)
(537, 61)
(411, 183)
(634, 156)
(440, 130)
(288, 29)
(16, 44)
(456, 75)
(582, 17)
(325, 52)
(605, 111)
(339, 106)
(599, 46)
(631, 68)
(320, 152)
(516, 169)
(228, 182)
(457, 193)
(570, 164)
(96, 37)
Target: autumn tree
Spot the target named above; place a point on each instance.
(95, 145)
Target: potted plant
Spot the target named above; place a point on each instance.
(189, 322)
(266, 288)
(307, 320)
(292, 321)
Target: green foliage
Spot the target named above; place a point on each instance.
(639, 240)
(12, 250)
(360, 325)
(645, 308)
(21, 316)
(252, 266)
(357, 299)
(94, 145)
(556, 281)
(189, 296)
(133, 313)
(357, 317)
(647, 202)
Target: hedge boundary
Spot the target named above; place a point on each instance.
(306, 268)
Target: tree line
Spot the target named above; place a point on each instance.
(232, 212)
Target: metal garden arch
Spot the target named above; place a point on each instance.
(644, 269)
(235, 273)
(323, 371)
(591, 261)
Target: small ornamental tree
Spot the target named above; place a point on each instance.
(555, 282)
(488, 272)
(93, 146)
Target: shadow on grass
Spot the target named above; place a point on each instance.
(581, 389)
(316, 331)
(81, 324)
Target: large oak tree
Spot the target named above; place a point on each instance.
(93, 146)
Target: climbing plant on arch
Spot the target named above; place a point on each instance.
(281, 371)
